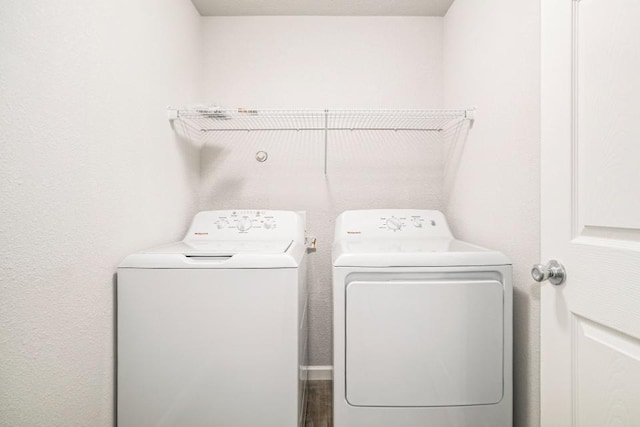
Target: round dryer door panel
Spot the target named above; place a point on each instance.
(424, 343)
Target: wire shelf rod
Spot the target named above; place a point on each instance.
(320, 129)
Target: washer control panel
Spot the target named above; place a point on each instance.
(243, 221)
(236, 224)
(406, 223)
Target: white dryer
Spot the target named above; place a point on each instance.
(422, 324)
(212, 330)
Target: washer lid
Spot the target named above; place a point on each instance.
(218, 254)
(386, 252)
(227, 247)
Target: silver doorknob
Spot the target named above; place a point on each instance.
(553, 271)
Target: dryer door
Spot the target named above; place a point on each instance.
(424, 343)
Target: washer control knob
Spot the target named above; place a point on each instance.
(243, 224)
(221, 223)
(394, 223)
(268, 224)
(417, 222)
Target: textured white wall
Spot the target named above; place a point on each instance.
(491, 60)
(323, 62)
(89, 172)
(317, 62)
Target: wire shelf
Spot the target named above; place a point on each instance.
(215, 119)
(200, 121)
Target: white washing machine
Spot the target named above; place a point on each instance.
(422, 324)
(212, 330)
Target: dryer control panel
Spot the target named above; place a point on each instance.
(245, 225)
(395, 223)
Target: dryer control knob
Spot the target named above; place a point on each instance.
(243, 224)
(394, 224)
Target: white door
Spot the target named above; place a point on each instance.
(591, 212)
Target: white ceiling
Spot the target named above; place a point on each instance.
(322, 7)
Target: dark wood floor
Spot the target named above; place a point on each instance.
(319, 404)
